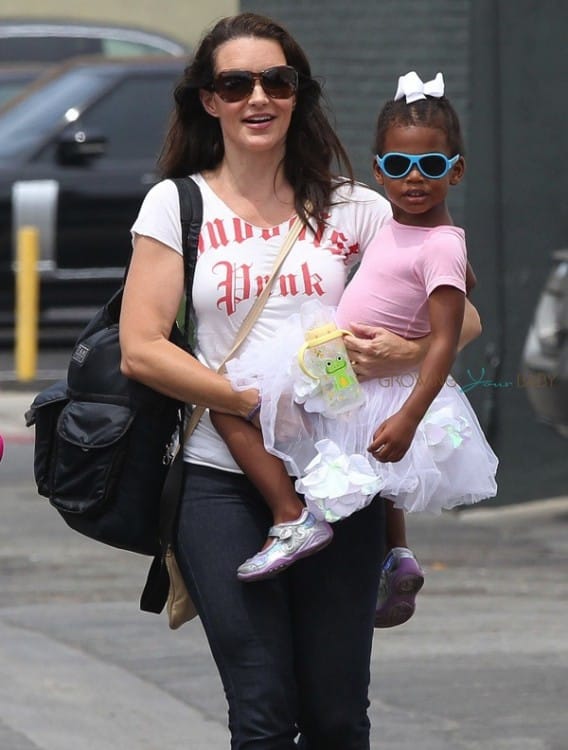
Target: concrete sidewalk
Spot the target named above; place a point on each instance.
(481, 666)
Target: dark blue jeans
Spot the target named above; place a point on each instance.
(293, 652)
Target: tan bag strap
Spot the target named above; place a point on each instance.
(252, 314)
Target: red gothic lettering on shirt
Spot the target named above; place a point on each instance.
(288, 285)
(237, 285)
(340, 245)
(242, 230)
(267, 234)
(217, 234)
(318, 235)
(312, 282)
(220, 233)
(260, 282)
(320, 230)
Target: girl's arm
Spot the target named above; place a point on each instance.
(445, 309)
(378, 353)
(154, 289)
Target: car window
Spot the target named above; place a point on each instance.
(30, 41)
(14, 78)
(133, 116)
(47, 48)
(9, 89)
(121, 48)
(28, 122)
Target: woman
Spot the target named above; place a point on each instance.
(293, 652)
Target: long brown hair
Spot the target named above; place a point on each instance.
(194, 141)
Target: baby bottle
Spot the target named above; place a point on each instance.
(323, 357)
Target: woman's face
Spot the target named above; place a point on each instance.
(257, 123)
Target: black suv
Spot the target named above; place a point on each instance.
(77, 156)
(545, 355)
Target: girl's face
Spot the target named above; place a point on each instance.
(258, 123)
(417, 200)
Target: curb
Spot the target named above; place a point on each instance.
(546, 508)
(9, 383)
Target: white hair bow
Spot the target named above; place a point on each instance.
(414, 89)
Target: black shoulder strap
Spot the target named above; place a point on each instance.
(156, 589)
(191, 213)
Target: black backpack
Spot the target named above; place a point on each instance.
(103, 442)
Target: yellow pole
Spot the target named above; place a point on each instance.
(27, 303)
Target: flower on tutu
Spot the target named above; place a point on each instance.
(304, 387)
(445, 432)
(338, 484)
(308, 393)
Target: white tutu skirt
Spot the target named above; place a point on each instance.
(449, 462)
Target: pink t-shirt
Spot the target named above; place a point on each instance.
(400, 268)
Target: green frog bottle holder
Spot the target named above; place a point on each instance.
(323, 357)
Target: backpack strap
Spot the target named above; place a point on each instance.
(191, 215)
(155, 593)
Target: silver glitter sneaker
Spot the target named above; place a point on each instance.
(292, 541)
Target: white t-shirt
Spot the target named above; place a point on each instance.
(234, 261)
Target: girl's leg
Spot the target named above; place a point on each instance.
(295, 532)
(265, 471)
(401, 575)
(222, 520)
(396, 526)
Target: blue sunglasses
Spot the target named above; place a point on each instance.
(433, 166)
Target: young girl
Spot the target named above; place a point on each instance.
(416, 440)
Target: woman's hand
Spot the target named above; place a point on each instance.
(471, 326)
(375, 352)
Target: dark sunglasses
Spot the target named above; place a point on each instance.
(433, 166)
(279, 82)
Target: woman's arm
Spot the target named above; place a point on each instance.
(445, 309)
(471, 326)
(154, 289)
(470, 278)
(378, 353)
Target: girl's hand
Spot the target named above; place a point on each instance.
(375, 352)
(393, 438)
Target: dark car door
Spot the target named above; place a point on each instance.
(99, 195)
(99, 190)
